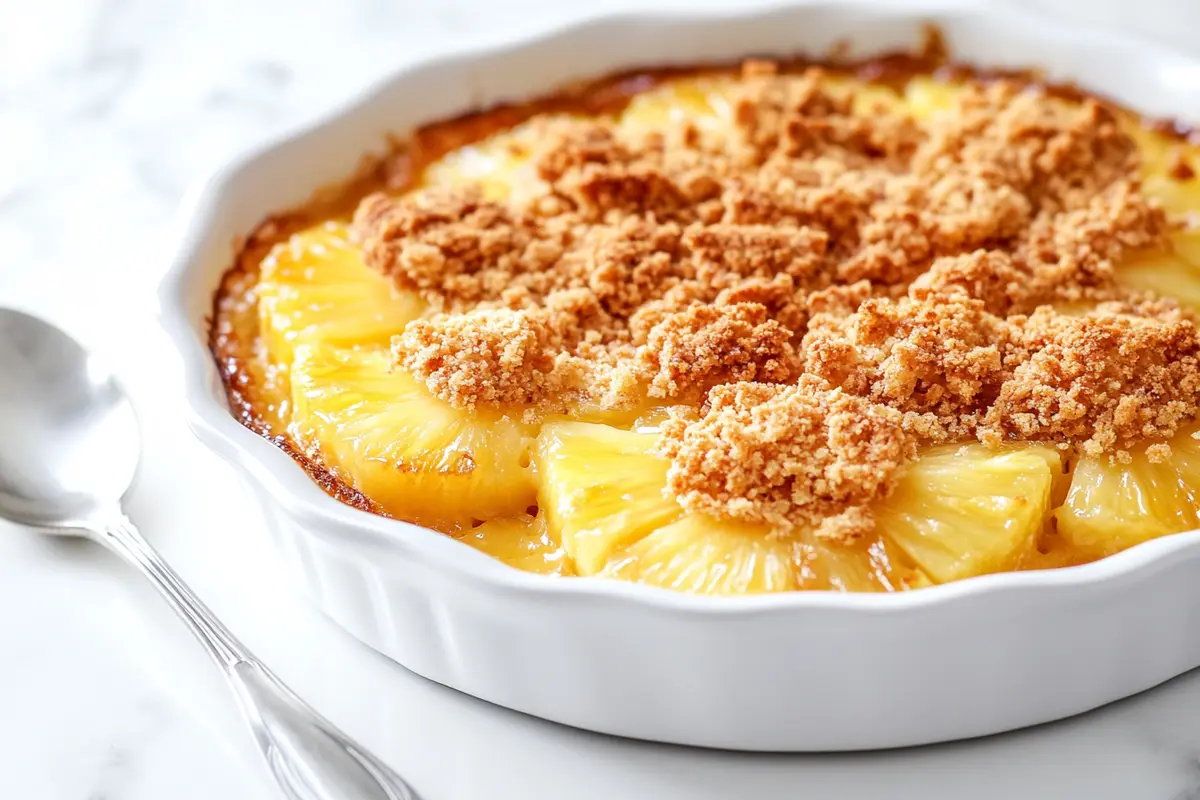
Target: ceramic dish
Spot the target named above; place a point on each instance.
(795, 671)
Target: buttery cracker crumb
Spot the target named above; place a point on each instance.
(989, 276)
(1105, 380)
(785, 455)
(943, 357)
(485, 357)
(691, 351)
(445, 243)
(1158, 453)
(777, 294)
(844, 527)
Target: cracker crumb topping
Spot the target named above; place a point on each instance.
(1103, 380)
(483, 357)
(833, 283)
(795, 455)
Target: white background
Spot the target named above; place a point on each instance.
(109, 109)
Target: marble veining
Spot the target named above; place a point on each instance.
(109, 109)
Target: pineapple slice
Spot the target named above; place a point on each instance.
(1187, 244)
(871, 564)
(1166, 274)
(1161, 154)
(522, 542)
(383, 433)
(1180, 197)
(503, 165)
(601, 489)
(928, 98)
(1113, 506)
(958, 511)
(1156, 150)
(705, 555)
(604, 493)
(704, 101)
(316, 286)
(963, 511)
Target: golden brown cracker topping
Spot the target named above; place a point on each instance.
(944, 357)
(484, 357)
(833, 281)
(706, 345)
(1103, 380)
(787, 456)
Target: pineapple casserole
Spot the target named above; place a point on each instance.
(771, 328)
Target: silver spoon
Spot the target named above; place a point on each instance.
(68, 452)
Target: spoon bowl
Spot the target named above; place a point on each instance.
(69, 449)
(68, 435)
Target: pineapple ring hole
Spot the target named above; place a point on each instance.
(475, 523)
(526, 459)
(531, 511)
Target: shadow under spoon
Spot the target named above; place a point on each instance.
(69, 448)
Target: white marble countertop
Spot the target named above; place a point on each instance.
(108, 110)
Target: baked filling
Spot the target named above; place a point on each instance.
(726, 331)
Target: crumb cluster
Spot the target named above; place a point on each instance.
(830, 281)
(786, 454)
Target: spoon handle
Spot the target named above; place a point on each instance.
(309, 757)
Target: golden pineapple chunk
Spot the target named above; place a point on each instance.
(1161, 156)
(705, 102)
(704, 555)
(1113, 506)
(503, 164)
(1156, 151)
(422, 460)
(965, 510)
(1166, 274)
(522, 542)
(1187, 244)
(870, 564)
(1180, 197)
(600, 488)
(315, 286)
(928, 98)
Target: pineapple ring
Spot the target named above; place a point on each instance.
(315, 286)
(380, 431)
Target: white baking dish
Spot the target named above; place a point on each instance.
(802, 671)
